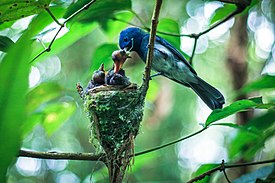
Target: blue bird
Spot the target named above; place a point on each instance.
(169, 62)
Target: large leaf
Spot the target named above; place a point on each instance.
(16, 9)
(100, 11)
(103, 54)
(5, 43)
(265, 82)
(235, 107)
(56, 114)
(14, 70)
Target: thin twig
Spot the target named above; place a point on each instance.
(170, 143)
(193, 51)
(62, 25)
(128, 23)
(61, 156)
(225, 166)
(237, 11)
(148, 29)
(85, 7)
(140, 19)
(53, 17)
(150, 54)
(223, 170)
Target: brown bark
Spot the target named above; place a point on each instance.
(237, 61)
(238, 68)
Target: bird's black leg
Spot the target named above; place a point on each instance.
(154, 75)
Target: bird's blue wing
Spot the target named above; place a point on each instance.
(175, 52)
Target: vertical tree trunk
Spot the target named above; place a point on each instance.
(237, 65)
(237, 61)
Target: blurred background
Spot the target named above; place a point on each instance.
(235, 53)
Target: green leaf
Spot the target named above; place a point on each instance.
(263, 122)
(103, 55)
(16, 9)
(100, 11)
(240, 105)
(202, 169)
(222, 12)
(265, 82)
(14, 71)
(236, 126)
(56, 114)
(243, 141)
(42, 93)
(5, 43)
(4, 25)
(252, 136)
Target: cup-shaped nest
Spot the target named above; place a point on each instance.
(115, 113)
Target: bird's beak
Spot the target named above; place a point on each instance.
(119, 57)
(118, 65)
(101, 68)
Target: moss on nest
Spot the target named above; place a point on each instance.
(115, 113)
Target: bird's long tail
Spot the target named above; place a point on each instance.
(210, 95)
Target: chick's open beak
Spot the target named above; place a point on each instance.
(118, 65)
(119, 57)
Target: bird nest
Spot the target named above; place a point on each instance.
(115, 113)
(115, 108)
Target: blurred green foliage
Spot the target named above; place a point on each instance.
(46, 113)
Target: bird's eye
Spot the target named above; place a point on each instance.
(125, 39)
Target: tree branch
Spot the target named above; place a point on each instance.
(53, 17)
(237, 11)
(170, 143)
(225, 166)
(62, 25)
(193, 51)
(62, 156)
(150, 54)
